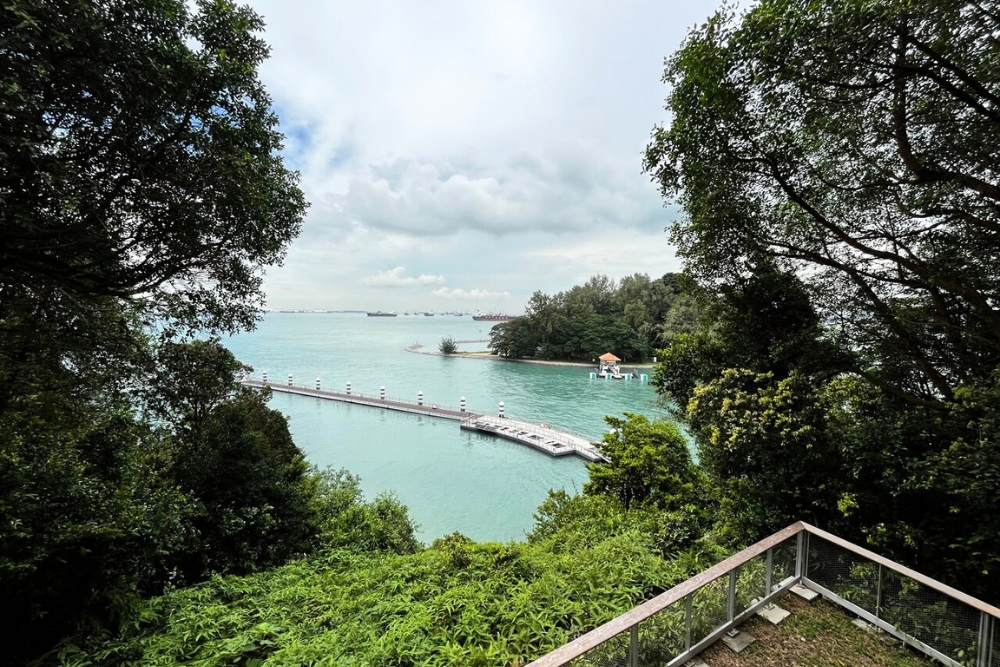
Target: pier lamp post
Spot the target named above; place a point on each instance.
(348, 387)
(501, 411)
(461, 404)
(317, 384)
(420, 398)
(263, 376)
(381, 392)
(289, 379)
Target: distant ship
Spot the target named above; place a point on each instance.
(479, 317)
(428, 314)
(379, 313)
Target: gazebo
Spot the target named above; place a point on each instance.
(609, 365)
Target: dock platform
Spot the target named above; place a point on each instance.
(547, 440)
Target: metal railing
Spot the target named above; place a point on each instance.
(946, 624)
(577, 443)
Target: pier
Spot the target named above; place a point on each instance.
(544, 439)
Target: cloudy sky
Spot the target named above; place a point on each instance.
(460, 155)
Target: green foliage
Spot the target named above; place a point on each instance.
(140, 157)
(648, 462)
(588, 320)
(448, 346)
(144, 193)
(842, 212)
(455, 603)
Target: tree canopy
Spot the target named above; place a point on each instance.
(144, 194)
(852, 142)
(835, 163)
(139, 157)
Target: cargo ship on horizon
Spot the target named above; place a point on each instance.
(479, 317)
(379, 313)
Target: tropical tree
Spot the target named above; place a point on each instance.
(834, 162)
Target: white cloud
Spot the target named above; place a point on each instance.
(459, 293)
(397, 278)
(497, 143)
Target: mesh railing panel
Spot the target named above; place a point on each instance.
(710, 608)
(933, 618)
(941, 622)
(750, 583)
(783, 562)
(852, 577)
(612, 653)
(662, 635)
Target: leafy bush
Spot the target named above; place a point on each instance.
(448, 346)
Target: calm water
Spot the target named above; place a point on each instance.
(483, 487)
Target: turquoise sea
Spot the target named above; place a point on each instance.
(485, 488)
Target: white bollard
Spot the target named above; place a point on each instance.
(381, 392)
(593, 375)
(420, 398)
(644, 377)
(348, 387)
(317, 384)
(501, 411)
(461, 404)
(263, 376)
(289, 379)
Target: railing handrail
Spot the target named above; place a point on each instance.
(636, 615)
(934, 584)
(623, 623)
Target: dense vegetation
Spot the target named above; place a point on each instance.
(629, 319)
(375, 601)
(143, 195)
(836, 164)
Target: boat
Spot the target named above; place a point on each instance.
(479, 317)
(379, 313)
(428, 314)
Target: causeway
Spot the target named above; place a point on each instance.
(542, 438)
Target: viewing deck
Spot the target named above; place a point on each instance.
(543, 439)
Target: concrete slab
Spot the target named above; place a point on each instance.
(739, 642)
(864, 625)
(773, 613)
(807, 594)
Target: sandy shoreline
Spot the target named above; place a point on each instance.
(418, 349)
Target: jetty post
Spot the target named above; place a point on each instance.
(317, 384)
(264, 377)
(461, 404)
(501, 411)
(289, 379)
(348, 387)
(420, 398)
(381, 392)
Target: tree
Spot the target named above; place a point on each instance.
(144, 194)
(834, 162)
(851, 142)
(448, 346)
(139, 158)
(648, 462)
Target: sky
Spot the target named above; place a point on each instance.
(460, 155)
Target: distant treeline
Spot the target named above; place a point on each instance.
(630, 319)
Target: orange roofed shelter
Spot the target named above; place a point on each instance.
(607, 356)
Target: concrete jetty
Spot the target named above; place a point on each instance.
(543, 439)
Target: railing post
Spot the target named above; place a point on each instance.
(799, 555)
(878, 592)
(732, 595)
(687, 621)
(633, 646)
(768, 569)
(985, 640)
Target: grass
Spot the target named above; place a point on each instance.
(817, 635)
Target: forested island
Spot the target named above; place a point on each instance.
(833, 345)
(631, 319)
